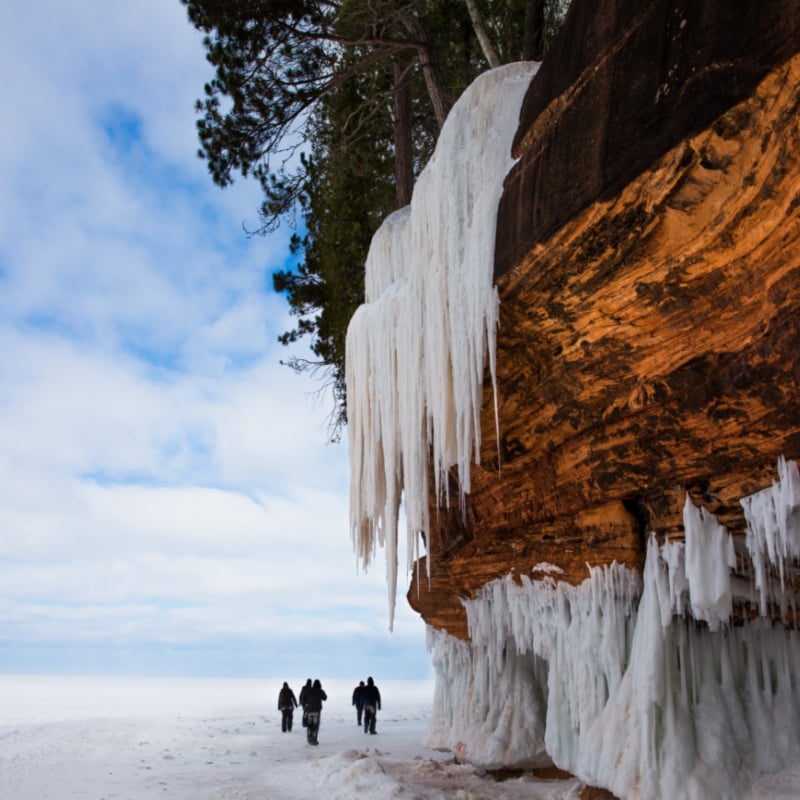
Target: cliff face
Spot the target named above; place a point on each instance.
(648, 266)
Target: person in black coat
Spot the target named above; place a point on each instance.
(358, 702)
(314, 698)
(303, 693)
(287, 703)
(371, 699)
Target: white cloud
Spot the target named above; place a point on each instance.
(162, 477)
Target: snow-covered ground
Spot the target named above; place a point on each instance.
(71, 738)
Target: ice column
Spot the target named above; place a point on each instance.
(773, 535)
(709, 559)
(489, 707)
(417, 348)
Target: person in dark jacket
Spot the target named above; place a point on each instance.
(287, 703)
(303, 693)
(314, 697)
(358, 702)
(371, 699)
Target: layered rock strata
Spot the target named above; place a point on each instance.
(648, 265)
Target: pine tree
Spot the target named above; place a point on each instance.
(334, 106)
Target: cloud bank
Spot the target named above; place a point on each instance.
(167, 500)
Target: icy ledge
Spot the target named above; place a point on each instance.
(615, 680)
(416, 349)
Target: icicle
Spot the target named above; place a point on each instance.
(773, 534)
(709, 559)
(640, 699)
(674, 557)
(416, 350)
(489, 712)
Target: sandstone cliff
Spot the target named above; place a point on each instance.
(648, 265)
(613, 588)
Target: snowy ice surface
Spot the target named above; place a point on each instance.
(417, 348)
(644, 687)
(141, 739)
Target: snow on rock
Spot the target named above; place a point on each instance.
(545, 566)
(417, 348)
(644, 687)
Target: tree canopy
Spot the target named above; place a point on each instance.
(334, 106)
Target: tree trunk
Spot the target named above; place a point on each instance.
(416, 24)
(440, 97)
(533, 46)
(482, 34)
(403, 150)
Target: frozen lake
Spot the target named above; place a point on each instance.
(191, 739)
(69, 738)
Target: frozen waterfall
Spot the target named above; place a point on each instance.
(417, 347)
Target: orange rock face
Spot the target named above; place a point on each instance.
(648, 348)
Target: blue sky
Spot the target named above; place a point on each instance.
(168, 502)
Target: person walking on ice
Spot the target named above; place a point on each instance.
(358, 702)
(313, 704)
(303, 692)
(371, 699)
(287, 703)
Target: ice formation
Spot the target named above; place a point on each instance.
(773, 535)
(646, 687)
(416, 349)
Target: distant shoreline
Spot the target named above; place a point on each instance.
(49, 698)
